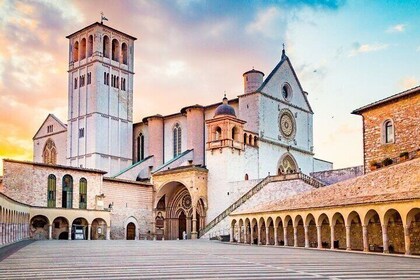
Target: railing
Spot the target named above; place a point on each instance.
(284, 177)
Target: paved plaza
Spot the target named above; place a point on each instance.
(195, 260)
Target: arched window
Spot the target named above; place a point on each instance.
(140, 147)
(250, 140)
(67, 194)
(287, 165)
(246, 177)
(51, 191)
(50, 152)
(124, 53)
(234, 133)
(115, 50)
(76, 51)
(255, 140)
(388, 132)
(83, 49)
(82, 193)
(105, 47)
(177, 140)
(90, 46)
(286, 91)
(218, 134)
(245, 138)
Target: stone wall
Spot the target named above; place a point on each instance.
(131, 201)
(28, 183)
(405, 115)
(330, 177)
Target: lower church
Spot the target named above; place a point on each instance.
(99, 175)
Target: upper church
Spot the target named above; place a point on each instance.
(267, 130)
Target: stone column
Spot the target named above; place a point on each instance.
(276, 242)
(89, 231)
(1, 233)
(286, 242)
(194, 224)
(108, 233)
(385, 240)
(365, 239)
(332, 236)
(306, 229)
(232, 230)
(295, 235)
(407, 240)
(69, 232)
(267, 236)
(50, 231)
(348, 236)
(318, 236)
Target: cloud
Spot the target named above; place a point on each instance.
(409, 82)
(397, 28)
(366, 48)
(267, 23)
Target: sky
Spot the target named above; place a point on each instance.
(346, 54)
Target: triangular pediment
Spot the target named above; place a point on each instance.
(284, 74)
(51, 120)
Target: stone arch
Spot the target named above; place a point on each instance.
(105, 46)
(115, 50)
(98, 229)
(235, 133)
(128, 223)
(245, 138)
(339, 226)
(312, 235)
(76, 51)
(356, 232)
(83, 49)
(280, 230)
(262, 226)
(90, 46)
(254, 231)
(247, 231)
(241, 231)
(124, 52)
(299, 231)
(270, 226)
(412, 234)
(79, 228)
(372, 221)
(289, 236)
(60, 228)
(287, 164)
(393, 229)
(38, 226)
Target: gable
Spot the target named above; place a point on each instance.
(51, 125)
(284, 74)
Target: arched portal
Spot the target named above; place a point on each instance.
(287, 164)
(176, 212)
(98, 230)
(39, 227)
(60, 228)
(131, 231)
(79, 229)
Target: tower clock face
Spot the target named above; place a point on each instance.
(287, 124)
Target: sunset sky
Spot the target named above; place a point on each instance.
(346, 55)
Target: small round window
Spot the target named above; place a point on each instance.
(286, 92)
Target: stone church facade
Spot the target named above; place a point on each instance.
(101, 176)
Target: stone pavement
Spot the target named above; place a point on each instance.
(195, 259)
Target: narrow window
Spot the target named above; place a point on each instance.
(81, 132)
(124, 53)
(75, 83)
(104, 78)
(140, 147)
(246, 177)
(112, 80)
(177, 140)
(218, 135)
(115, 50)
(67, 195)
(83, 49)
(90, 46)
(76, 51)
(389, 132)
(51, 191)
(83, 193)
(50, 152)
(105, 47)
(107, 79)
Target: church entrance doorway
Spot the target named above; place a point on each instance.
(131, 231)
(182, 225)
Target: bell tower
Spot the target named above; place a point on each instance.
(100, 98)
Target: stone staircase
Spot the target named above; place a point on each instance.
(244, 198)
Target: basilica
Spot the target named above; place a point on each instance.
(99, 175)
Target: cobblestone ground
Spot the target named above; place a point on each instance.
(195, 260)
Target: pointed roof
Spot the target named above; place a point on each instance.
(285, 58)
(55, 118)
